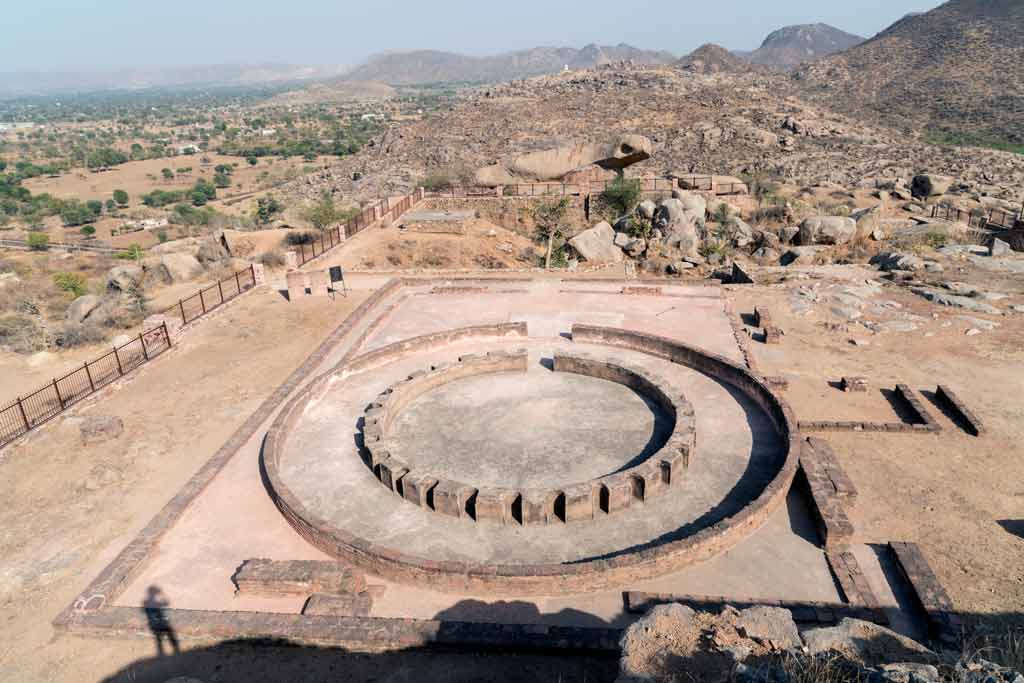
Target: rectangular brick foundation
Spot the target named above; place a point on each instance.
(353, 605)
(810, 612)
(968, 420)
(296, 577)
(827, 505)
(853, 583)
(943, 623)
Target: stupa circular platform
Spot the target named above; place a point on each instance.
(568, 466)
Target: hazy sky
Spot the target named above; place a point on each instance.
(48, 35)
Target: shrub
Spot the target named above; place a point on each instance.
(121, 198)
(161, 235)
(21, 333)
(435, 182)
(295, 239)
(38, 241)
(69, 335)
(88, 230)
(132, 253)
(72, 283)
(622, 195)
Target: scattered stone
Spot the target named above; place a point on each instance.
(983, 671)
(678, 267)
(895, 260)
(972, 332)
(740, 276)
(646, 209)
(980, 323)
(906, 673)
(100, 428)
(801, 256)
(788, 234)
(999, 248)
(943, 299)
(866, 643)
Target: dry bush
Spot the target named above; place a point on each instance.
(22, 333)
(272, 259)
(70, 334)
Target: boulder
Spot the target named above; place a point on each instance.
(930, 185)
(895, 260)
(770, 626)
(679, 222)
(999, 248)
(100, 428)
(176, 267)
(81, 307)
(211, 251)
(646, 209)
(597, 245)
(827, 230)
(788, 234)
(801, 256)
(952, 300)
(124, 278)
(866, 643)
(556, 164)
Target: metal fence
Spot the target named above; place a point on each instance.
(28, 412)
(979, 218)
(334, 236)
(205, 300)
(648, 185)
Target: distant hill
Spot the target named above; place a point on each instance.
(713, 59)
(432, 66)
(47, 83)
(793, 45)
(957, 70)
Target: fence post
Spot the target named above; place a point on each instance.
(202, 301)
(181, 305)
(167, 337)
(92, 387)
(220, 290)
(252, 273)
(56, 390)
(120, 370)
(145, 354)
(238, 283)
(24, 417)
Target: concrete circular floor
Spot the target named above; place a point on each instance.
(542, 429)
(738, 453)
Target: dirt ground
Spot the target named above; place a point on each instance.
(70, 508)
(958, 496)
(483, 246)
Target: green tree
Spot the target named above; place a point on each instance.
(38, 241)
(198, 198)
(72, 283)
(121, 197)
(221, 180)
(266, 208)
(88, 230)
(167, 173)
(110, 205)
(550, 220)
(621, 196)
(252, 160)
(74, 213)
(95, 206)
(322, 214)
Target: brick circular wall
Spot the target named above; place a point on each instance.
(638, 563)
(559, 504)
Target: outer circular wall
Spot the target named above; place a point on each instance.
(639, 563)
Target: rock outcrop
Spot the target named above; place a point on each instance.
(556, 164)
(597, 245)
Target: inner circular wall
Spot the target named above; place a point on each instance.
(530, 430)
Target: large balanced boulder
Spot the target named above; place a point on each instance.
(81, 307)
(556, 164)
(930, 185)
(827, 230)
(597, 245)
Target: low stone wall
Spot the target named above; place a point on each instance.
(529, 507)
(636, 564)
(923, 421)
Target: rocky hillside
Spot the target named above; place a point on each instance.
(431, 66)
(957, 70)
(791, 46)
(726, 123)
(713, 59)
